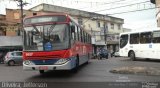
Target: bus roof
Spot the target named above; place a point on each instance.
(59, 14)
(139, 31)
(47, 14)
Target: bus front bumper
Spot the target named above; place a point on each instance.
(66, 66)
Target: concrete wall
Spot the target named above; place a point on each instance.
(11, 41)
(13, 17)
(2, 17)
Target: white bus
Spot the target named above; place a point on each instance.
(142, 44)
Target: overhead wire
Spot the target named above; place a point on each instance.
(106, 3)
(133, 11)
(115, 7)
(121, 6)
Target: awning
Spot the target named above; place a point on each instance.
(100, 43)
(112, 42)
(11, 47)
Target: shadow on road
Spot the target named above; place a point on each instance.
(63, 74)
(143, 60)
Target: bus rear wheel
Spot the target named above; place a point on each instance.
(132, 56)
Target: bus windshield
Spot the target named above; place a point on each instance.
(46, 37)
(123, 40)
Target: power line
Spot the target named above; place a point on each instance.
(106, 3)
(113, 7)
(133, 11)
(103, 4)
(98, 2)
(121, 6)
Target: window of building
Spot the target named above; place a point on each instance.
(117, 37)
(112, 26)
(80, 21)
(16, 16)
(34, 14)
(98, 24)
(119, 27)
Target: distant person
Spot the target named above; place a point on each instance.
(112, 52)
(103, 53)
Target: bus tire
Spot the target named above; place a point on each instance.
(41, 71)
(75, 69)
(88, 58)
(132, 56)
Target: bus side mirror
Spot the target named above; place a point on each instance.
(72, 28)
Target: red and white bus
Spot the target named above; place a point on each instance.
(54, 42)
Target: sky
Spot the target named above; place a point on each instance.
(136, 20)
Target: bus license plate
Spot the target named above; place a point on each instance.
(43, 68)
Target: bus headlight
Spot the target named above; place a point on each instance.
(27, 62)
(62, 61)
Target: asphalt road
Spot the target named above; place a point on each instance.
(97, 71)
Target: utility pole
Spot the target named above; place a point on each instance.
(21, 4)
(105, 34)
(21, 7)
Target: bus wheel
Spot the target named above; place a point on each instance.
(75, 70)
(132, 56)
(41, 71)
(88, 58)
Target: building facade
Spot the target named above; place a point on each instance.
(104, 29)
(13, 19)
(157, 3)
(2, 25)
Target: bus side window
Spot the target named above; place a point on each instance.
(73, 32)
(156, 37)
(134, 38)
(145, 37)
(76, 33)
(79, 34)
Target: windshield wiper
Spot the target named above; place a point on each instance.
(52, 27)
(35, 28)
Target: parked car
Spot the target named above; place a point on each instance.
(12, 58)
(2, 54)
(116, 54)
